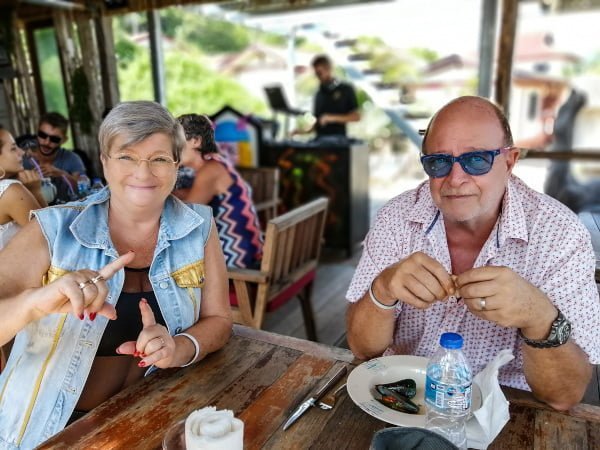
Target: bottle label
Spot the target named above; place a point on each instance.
(446, 396)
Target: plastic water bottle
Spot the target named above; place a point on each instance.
(83, 185)
(96, 186)
(448, 390)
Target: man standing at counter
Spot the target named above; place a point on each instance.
(335, 102)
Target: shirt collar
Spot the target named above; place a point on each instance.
(513, 224)
(176, 221)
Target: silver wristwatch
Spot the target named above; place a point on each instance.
(560, 331)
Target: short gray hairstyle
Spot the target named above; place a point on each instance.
(138, 120)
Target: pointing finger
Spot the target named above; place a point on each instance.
(111, 268)
(147, 314)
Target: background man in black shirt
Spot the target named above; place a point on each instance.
(335, 101)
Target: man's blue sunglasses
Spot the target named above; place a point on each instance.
(480, 162)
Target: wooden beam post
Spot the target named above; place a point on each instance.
(510, 9)
(90, 58)
(487, 43)
(156, 56)
(108, 62)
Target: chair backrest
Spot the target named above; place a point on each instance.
(264, 182)
(293, 244)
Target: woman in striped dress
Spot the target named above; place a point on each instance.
(217, 184)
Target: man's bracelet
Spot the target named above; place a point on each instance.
(196, 346)
(377, 302)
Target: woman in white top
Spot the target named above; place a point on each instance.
(20, 192)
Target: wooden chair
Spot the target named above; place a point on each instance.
(264, 182)
(289, 264)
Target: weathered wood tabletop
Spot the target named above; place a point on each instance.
(262, 377)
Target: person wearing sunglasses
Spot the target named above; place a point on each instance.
(474, 250)
(101, 292)
(61, 165)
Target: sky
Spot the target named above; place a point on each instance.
(447, 26)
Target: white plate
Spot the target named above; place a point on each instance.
(387, 369)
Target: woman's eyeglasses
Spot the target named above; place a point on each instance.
(159, 165)
(480, 162)
(52, 138)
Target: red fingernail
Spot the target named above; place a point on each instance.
(144, 301)
(141, 364)
(136, 354)
(80, 316)
(92, 316)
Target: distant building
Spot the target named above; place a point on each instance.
(539, 85)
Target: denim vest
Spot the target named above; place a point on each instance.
(51, 358)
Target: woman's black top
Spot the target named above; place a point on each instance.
(128, 324)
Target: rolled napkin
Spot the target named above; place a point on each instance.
(209, 429)
(490, 418)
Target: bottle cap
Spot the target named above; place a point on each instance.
(451, 341)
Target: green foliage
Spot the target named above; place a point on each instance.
(135, 79)
(126, 51)
(170, 20)
(52, 81)
(424, 54)
(591, 66)
(213, 35)
(191, 86)
(396, 65)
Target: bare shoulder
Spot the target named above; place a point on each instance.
(15, 191)
(28, 248)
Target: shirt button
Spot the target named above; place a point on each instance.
(163, 285)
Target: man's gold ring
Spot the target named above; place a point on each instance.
(482, 303)
(83, 284)
(97, 278)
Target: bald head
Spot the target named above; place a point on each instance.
(466, 108)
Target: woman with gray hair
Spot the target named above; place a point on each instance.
(117, 285)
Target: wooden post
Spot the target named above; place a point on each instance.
(156, 56)
(108, 62)
(90, 63)
(510, 9)
(487, 43)
(71, 59)
(20, 91)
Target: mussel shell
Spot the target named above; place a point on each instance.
(407, 387)
(405, 405)
(397, 401)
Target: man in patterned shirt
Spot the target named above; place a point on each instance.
(475, 251)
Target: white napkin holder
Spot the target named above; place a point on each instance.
(209, 429)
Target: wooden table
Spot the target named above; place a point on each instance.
(262, 377)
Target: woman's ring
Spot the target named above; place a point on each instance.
(97, 278)
(162, 341)
(482, 303)
(83, 284)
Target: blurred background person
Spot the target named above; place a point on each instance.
(335, 102)
(20, 190)
(20, 193)
(61, 165)
(217, 184)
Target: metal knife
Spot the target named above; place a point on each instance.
(312, 401)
